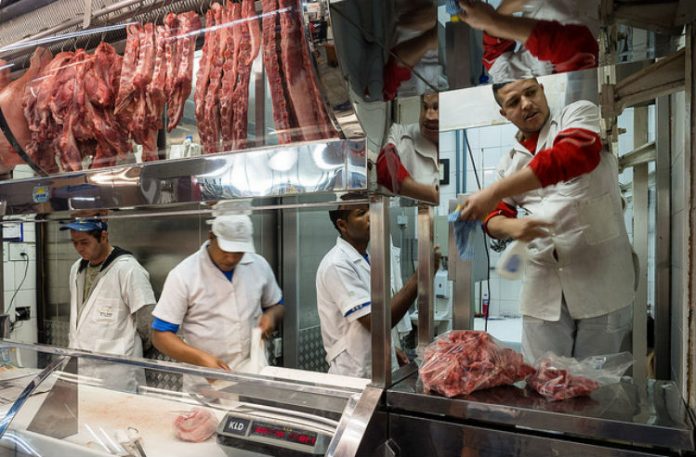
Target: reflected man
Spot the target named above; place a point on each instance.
(408, 164)
(551, 39)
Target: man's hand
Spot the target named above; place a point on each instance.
(477, 14)
(511, 6)
(479, 204)
(267, 325)
(402, 358)
(529, 228)
(207, 360)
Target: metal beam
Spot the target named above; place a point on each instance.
(664, 77)
(426, 327)
(380, 280)
(638, 156)
(658, 16)
(640, 246)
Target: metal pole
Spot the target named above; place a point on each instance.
(426, 327)
(663, 234)
(380, 279)
(460, 272)
(290, 280)
(640, 245)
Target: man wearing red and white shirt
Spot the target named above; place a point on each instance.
(579, 280)
(551, 39)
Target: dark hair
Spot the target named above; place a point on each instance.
(336, 214)
(96, 233)
(496, 87)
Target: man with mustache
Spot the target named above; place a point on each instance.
(579, 280)
(408, 164)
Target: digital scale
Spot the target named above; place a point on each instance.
(274, 434)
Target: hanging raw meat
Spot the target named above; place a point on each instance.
(229, 73)
(188, 24)
(211, 110)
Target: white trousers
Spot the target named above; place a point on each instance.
(578, 338)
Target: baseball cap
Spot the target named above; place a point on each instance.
(234, 233)
(85, 225)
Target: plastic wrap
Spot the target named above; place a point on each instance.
(463, 361)
(560, 378)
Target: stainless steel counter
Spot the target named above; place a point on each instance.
(624, 414)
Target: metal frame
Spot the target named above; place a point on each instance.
(426, 328)
(380, 290)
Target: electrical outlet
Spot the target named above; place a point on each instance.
(21, 251)
(22, 313)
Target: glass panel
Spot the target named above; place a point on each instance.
(180, 84)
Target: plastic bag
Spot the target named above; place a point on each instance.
(257, 355)
(463, 234)
(463, 361)
(560, 378)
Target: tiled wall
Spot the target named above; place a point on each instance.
(16, 285)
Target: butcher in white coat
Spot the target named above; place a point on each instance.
(580, 278)
(216, 296)
(111, 302)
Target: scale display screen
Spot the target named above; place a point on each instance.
(267, 430)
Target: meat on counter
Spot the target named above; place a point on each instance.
(463, 361)
(195, 426)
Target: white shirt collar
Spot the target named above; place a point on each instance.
(352, 253)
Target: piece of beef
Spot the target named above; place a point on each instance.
(211, 110)
(203, 77)
(556, 383)
(241, 90)
(231, 14)
(300, 78)
(283, 116)
(11, 103)
(130, 63)
(4, 74)
(196, 426)
(189, 24)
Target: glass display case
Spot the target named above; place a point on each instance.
(58, 402)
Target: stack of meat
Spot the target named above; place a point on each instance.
(463, 361)
(299, 112)
(556, 383)
(157, 69)
(222, 83)
(68, 109)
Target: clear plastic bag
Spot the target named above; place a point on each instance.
(463, 361)
(257, 360)
(560, 378)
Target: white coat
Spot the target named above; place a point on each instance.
(217, 315)
(107, 322)
(594, 268)
(520, 63)
(418, 154)
(343, 296)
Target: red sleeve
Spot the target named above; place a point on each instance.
(502, 209)
(495, 47)
(574, 152)
(390, 171)
(567, 46)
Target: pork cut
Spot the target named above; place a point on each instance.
(463, 361)
(188, 25)
(197, 425)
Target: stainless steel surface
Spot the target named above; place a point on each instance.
(418, 437)
(310, 350)
(354, 423)
(663, 242)
(642, 154)
(615, 412)
(426, 327)
(640, 246)
(59, 413)
(380, 279)
(461, 274)
(290, 286)
(7, 419)
(318, 167)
